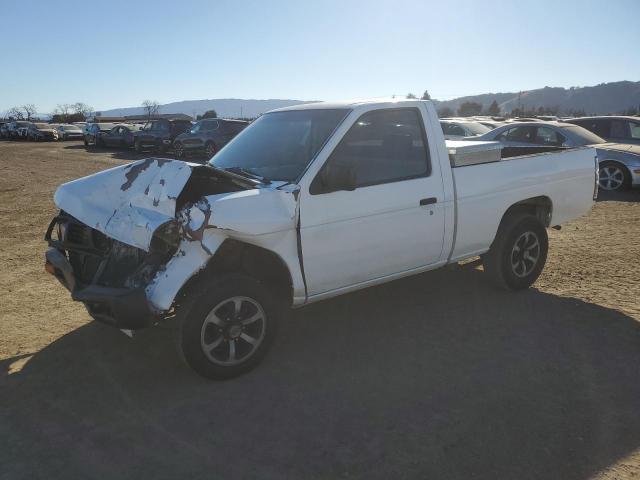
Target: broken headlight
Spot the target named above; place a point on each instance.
(165, 241)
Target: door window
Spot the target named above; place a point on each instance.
(210, 125)
(635, 130)
(384, 146)
(522, 134)
(548, 136)
(620, 129)
(453, 129)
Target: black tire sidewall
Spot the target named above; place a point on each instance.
(524, 224)
(194, 308)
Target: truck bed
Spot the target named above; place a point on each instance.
(565, 178)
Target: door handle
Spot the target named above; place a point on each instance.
(428, 201)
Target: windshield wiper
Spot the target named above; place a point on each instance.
(247, 173)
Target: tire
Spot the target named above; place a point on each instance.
(86, 144)
(518, 253)
(178, 149)
(217, 346)
(614, 177)
(210, 149)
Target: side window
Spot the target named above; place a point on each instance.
(455, 129)
(210, 125)
(548, 136)
(518, 134)
(635, 130)
(384, 146)
(601, 128)
(620, 129)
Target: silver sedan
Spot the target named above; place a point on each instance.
(619, 162)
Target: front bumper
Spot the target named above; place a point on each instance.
(119, 307)
(125, 308)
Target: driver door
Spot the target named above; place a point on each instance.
(393, 219)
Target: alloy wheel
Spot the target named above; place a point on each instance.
(611, 177)
(233, 330)
(525, 254)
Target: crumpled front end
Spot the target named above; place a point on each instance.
(128, 239)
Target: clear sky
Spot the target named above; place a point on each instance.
(117, 53)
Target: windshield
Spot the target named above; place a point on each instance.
(584, 136)
(42, 125)
(280, 145)
(477, 128)
(71, 127)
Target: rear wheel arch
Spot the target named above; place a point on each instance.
(540, 207)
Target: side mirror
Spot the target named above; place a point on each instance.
(334, 178)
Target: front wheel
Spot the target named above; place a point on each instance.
(226, 325)
(518, 253)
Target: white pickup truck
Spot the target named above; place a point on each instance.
(307, 203)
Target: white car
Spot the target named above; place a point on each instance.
(460, 129)
(68, 131)
(307, 203)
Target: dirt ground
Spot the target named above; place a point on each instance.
(436, 376)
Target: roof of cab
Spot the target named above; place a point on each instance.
(349, 104)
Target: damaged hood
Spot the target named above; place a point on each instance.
(129, 202)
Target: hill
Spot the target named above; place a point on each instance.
(605, 98)
(225, 107)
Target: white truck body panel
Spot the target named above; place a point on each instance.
(340, 241)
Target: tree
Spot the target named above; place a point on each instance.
(411, 96)
(445, 112)
(15, 113)
(494, 109)
(82, 109)
(29, 110)
(62, 109)
(425, 95)
(208, 114)
(469, 109)
(151, 107)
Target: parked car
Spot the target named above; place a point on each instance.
(121, 136)
(4, 129)
(619, 163)
(67, 131)
(457, 130)
(15, 129)
(615, 129)
(42, 131)
(22, 130)
(92, 130)
(308, 203)
(207, 136)
(159, 135)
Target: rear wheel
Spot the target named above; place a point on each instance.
(518, 253)
(226, 326)
(613, 177)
